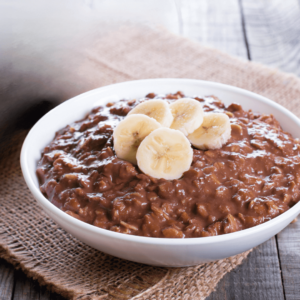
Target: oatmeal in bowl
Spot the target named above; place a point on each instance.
(251, 178)
(146, 179)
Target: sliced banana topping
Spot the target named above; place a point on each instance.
(143, 138)
(165, 153)
(188, 115)
(156, 109)
(213, 133)
(130, 132)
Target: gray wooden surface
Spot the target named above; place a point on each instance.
(267, 31)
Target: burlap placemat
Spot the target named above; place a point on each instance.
(30, 240)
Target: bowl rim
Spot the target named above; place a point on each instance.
(44, 202)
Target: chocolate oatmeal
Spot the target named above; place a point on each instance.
(250, 180)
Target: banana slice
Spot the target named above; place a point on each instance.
(165, 153)
(188, 115)
(156, 109)
(213, 133)
(129, 134)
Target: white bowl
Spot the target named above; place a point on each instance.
(153, 251)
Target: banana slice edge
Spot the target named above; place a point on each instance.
(157, 109)
(165, 153)
(187, 114)
(130, 132)
(213, 133)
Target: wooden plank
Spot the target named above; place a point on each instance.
(26, 289)
(29, 289)
(289, 252)
(273, 30)
(215, 23)
(6, 280)
(258, 277)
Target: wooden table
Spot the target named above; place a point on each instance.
(266, 31)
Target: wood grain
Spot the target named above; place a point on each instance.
(289, 251)
(272, 31)
(215, 23)
(28, 289)
(6, 280)
(257, 278)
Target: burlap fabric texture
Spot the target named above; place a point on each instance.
(32, 241)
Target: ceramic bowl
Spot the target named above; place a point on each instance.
(153, 251)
